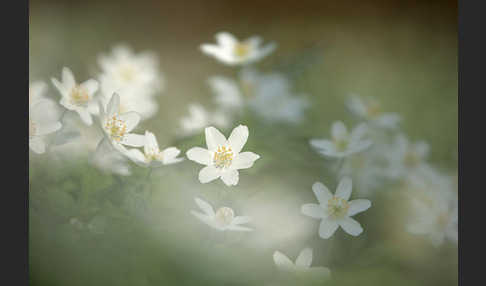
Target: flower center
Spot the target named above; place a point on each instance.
(153, 153)
(223, 157)
(242, 50)
(79, 95)
(224, 216)
(341, 144)
(116, 128)
(127, 73)
(337, 207)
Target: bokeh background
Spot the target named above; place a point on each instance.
(403, 53)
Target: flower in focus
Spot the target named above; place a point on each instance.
(368, 109)
(43, 120)
(335, 210)
(152, 156)
(230, 51)
(223, 158)
(117, 126)
(223, 219)
(77, 97)
(199, 118)
(135, 76)
(302, 264)
(342, 142)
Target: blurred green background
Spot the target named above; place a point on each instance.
(404, 53)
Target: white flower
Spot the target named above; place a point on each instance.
(117, 126)
(223, 158)
(37, 90)
(77, 97)
(110, 160)
(369, 109)
(199, 118)
(223, 219)
(302, 264)
(367, 171)
(342, 142)
(406, 158)
(136, 77)
(43, 120)
(230, 51)
(152, 156)
(335, 210)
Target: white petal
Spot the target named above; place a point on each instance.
(91, 86)
(339, 130)
(244, 160)
(199, 155)
(37, 144)
(327, 228)
(85, 116)
(202, 217)
(205, 206)
(238, 138)
(239, 228)
(68, 78)
(321, 144)
(225, 39)
(241, 219)
(282, 261)
(359, 132)
(322, 192)
(351, 226)
(134, 140)
(344, 188)
(113, 105)
(48, 128)
(304, 258)
(208, 174)
(313, 210)
(150, 142)
(60, 87)
(230, 177)
(131, 119)
(357, 206)
(214, 138)
(169, 155)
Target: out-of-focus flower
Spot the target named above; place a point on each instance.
(199, 118)
(77, 97)
(223, 158)
(406, 158)
(152, 156)
(43, 120)
(367, 171)
(369, 109)
(136, 77)
(434, 208)
(302, 264)
(223, 219)
(342, 142)
(230, 51)
(335, 210)
(259, 91)
(117, 126)
(37, 90)
(110, 160)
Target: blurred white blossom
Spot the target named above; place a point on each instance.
(229, 50)
(151, 155)
(370, 110)
(302, 264)
(335, 210)
(110, 160)
(37, 90)
(223, 158)
(343, 143)
(77, 97)
(199, 118)
(43, 120)
(223, 219)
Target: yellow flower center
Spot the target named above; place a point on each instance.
(341, 144)
(79, 95)
(116, 128)
(224, 216)
(223, 157)
(127, 73)
(337, 207)
(153, 153)
(242, 49)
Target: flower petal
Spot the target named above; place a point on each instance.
(134, 140)
(68, 78)
(131, 119)
(351, 226)
(327, 228)
(37, 144)
(85, 116)
(357, 206)
(239, 228)
(205, 206)
(241, 219)
(199, 155)
(304, 258)
(339, 130)
(113, 105)
(313, 210)
(282, 261)
(136, 156)
(322, 192)
(230, 177)
(238, 138)
(169, 155)
(244, 160)
(208, 174)
(91, 86)
(214, 138)
(322, 144)
(344, 188)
